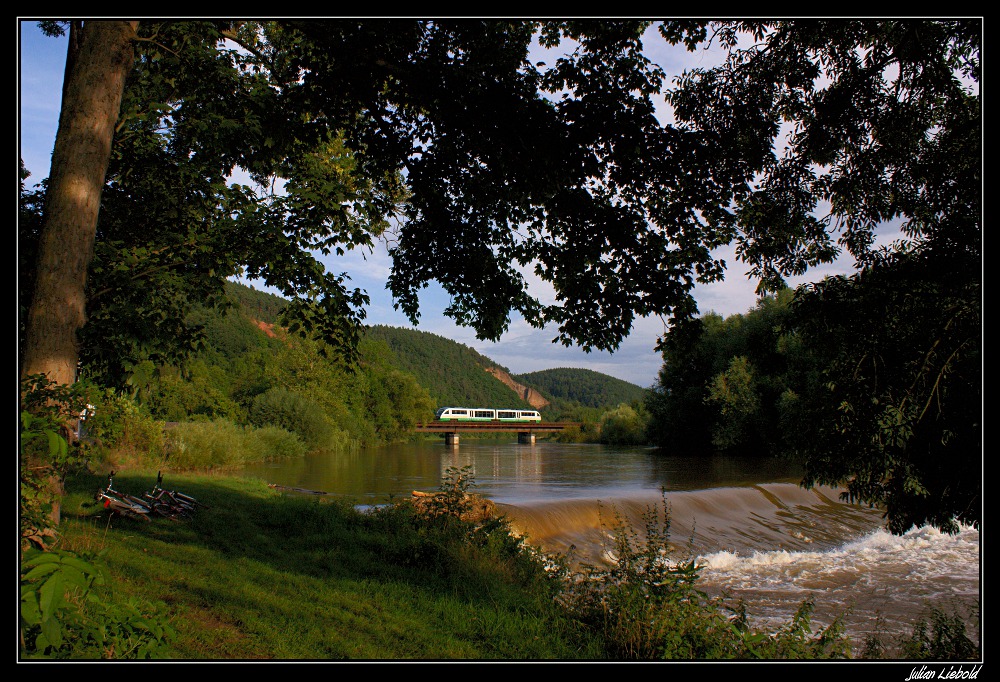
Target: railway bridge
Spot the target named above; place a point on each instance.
(525, 430)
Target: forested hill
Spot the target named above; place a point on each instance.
(452, 373)
(583, 386)
(455, 374)
(257, 305)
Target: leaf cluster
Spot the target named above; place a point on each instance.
(883, 115)
(65, 612)
(48, 450)
(898, 416)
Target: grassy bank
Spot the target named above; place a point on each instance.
(266, 574)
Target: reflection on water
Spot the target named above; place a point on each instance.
(508, 472)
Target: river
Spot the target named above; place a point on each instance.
(757, 534)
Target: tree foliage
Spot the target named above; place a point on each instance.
(898, 417)
(731, 383)
(883, 123)
(501, 163)
(884, 128)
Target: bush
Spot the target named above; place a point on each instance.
(647, 606)
(940, 636)
(122, 433)
(277, 443)
(623, 426)
(296, 413)
(48, 450)
(220, 444)
(456, 532)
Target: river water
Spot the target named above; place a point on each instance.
(757, 534)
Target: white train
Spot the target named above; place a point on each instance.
(485, 414)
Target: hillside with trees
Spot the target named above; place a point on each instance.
(452, 373)
(254, 374)
(583, 386)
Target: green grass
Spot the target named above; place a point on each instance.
(262, 575)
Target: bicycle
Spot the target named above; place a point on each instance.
(173, 497)
(167, 502)
(158, 501)
(122, 503)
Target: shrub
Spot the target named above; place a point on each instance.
(647, 606)
(277, 443)
(122, 433)
(48, 450)
(623, 426)
(939, 636)
(220, 444)
(294, 412)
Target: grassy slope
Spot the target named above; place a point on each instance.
(260, 575)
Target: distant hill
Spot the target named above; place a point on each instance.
(583, 386)
(452, 373)
(258, 305)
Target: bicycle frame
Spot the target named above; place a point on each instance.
(121, 505)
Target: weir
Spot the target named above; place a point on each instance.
(743, 519)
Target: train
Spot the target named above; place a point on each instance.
(485, 414)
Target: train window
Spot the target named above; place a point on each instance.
(506, 415)
(484, 414)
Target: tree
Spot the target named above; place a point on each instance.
(898, 414)
(727, 384)
(99, 58)
(498, 173)
(886, 125)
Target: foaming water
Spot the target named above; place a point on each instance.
(881, 581)
(776, 545)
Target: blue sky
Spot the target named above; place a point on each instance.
(522, 348)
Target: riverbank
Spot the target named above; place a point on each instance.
(266, 575)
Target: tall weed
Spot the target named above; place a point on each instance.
(220, 444)
(939, 635)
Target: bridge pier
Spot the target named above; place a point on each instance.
(451, 439)
(526, 438)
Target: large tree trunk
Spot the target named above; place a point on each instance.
(98, 61)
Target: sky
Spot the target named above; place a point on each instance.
(522, 348)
